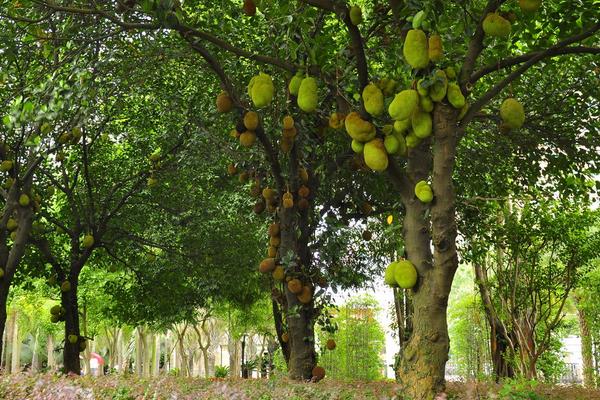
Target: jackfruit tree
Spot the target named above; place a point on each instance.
(439, 68)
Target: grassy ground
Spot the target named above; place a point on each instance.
(48, 387)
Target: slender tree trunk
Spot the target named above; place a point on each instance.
(35, 358)
(422, 364)
(50, 353)
(586, 346)
(279, 328)
(300, 325)
(15, 365)
(5, 334)
(71, 350)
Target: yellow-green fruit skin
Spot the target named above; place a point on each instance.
(423, 192)
(6, 165)
(294, 84)
(65, 286)
(73, 339)
(421, 124)
(373, 99)
(415, 49)
(512, 113)
(261, 90)
(405, 274)
(359, 129)
(438, 90)
(356, 15)
(426, 103)
(24, 200)
(391, 144)
(375, 155)
(455, 96)
(401, 125)
(404, 104)
(530, 6)
(357, 146)
(436, 51)
(412, 140)
(308, 95)
(390, 278)
(401, 144)
(496, 25)
(88, 241)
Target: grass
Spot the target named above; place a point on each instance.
(116, 387)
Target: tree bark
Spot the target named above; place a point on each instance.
(50, 352)
(71, 350)
(586, 346)
(15, 365)
(422, 364)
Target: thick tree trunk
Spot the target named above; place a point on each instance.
(586, 346)
(422, 364)
(71, 350)
(300, 324)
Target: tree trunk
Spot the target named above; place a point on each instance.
(300, 324)
(35, 359)
(50, 352)
(15, 365)
(71, 350)
(586, 346)
(5, 332)
(422, 364)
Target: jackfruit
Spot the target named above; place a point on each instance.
(231, 169)
(275, 241)
(415, 49)
(530, 6)
(88, 241)
(512, 113)
(436, 51)
(303, 174)
(288, 122)
(248, 138)
(423, 192)
(286, 144)
(55, 310)
(426, 103)
(13, 235)
(224, 102)
(422, 90)
(318, 373)
(358, 128)
(388, 129)
(274, 229)
(290, 133)
(375, 155)
(308, 95)
(54, 318)
(279, 273)
(302, 204)
(390, 278)
(272, 252)
(268, 193)
(288, 200)
(357, 146)
(336, 120)
(249, 7)
(305, 296)
(294, 84)
(405, 274)
(391, 143)
(295, 286)
(463, 111)
(65, 286)
(261, 90)
(401, 144)
(331, 345)
(421, 124)
(455, 96)
(373, 99)
(24, 200)
(404, 104)
(496, 25)
(437, 91)
(151, 182)
(355, 15)
(6, 165)
(11, 224)
(450, 72)
(401, 125)
(285, 337)
(73, 339)
(267, 265)
(259, 206)
(251, 120)
(412, 140)
(303, 191)
(367, 235)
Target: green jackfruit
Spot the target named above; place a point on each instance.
(375, 155)
(294, 84)
(412, 140)
(391, 143)
(512, 113)
(421, 124)
(436, 51)
(455, 96)
(404, 104)
(402, 125)
(356, 15)
(415, 49)
(423, 192)
(496, 25)
(373, 99)
(423, 91)
(308, 95)
(261, 90)
(401, 144)
(390, 277)
(358, 128)
(437, 91)
(530, 6)
(426, 103)
(405, 274)
(357, 146)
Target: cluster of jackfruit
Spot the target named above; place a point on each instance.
(303, 292)
(155, 161)
(57, 313)
(401, 274)
(499, 23)
(270, 264)
(70, 137)
(289, 134)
